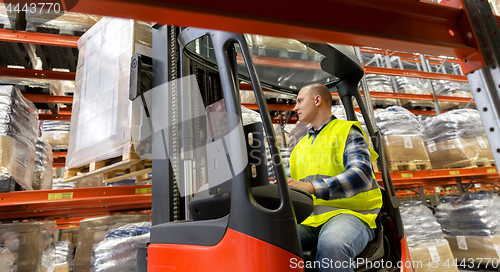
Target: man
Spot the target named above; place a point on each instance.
(333, 163)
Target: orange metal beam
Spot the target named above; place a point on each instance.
(65, 111)
(54, 117)
(412, 73)
(272, 107)
(397, 25)
(429, 175)
(38, 38)
(42, 74)
(73, 202)
(59, 154)
(44, 98)
(59, 160)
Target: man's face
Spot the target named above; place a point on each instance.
(306, 106)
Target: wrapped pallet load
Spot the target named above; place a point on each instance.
(31, 243)
(428, 247)
(66, 23)
(18, 133)
(93, 231)
(117, 252)
(56, 133)
(42, 175)
(64, 256)
(7, 259)
(471, 225)
(101, 117)
(457, 139)
(451, 88)
(380, 83)
(402, 138)
(48, 262)
(411, 85)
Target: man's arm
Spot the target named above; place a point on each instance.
(357, 175)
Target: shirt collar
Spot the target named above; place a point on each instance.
(312, 131)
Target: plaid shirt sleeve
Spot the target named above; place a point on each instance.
(358, 171)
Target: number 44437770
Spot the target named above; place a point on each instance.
(34, 7)
(473, 262)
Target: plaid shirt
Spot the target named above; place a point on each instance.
(358, 169)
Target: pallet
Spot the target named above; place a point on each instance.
(395, 166)
(126, 166)
(418, 105)
(460, 164)
(485, 163)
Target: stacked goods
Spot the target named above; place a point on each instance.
(380, 83)
(56, 133)
(451, 88)
(15, 54)
(48, 246)
(58, 183)
(42, 175)
(18, 132)
(64, 256)
(457, 139)
(102, 111)
(116, 252)
(413, 86)
(25, 241)
(425, 238)
(66, 23)
(7, 259)
(93, 231)
(470, 223)
(402, 139)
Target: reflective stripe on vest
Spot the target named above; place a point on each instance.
(323, 159)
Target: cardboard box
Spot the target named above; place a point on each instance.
(433, 257)
(458, 152)
(404, 148)
(25, 241)
(475, 247)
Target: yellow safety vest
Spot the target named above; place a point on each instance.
(324, 159)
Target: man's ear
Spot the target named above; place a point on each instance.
(318, 100)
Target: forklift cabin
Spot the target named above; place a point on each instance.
(213, 207)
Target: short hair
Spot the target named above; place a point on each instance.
(321, 90)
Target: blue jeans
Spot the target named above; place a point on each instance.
(338, 241)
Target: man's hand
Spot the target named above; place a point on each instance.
(306, 186)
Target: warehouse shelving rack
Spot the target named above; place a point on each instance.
(398, 25)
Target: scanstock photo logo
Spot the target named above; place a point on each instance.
(53, 9)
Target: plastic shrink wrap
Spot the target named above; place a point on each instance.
(93, 231)
(116, 252)
(402, 136)
(470, 223)
(101, 116)
(7, 259)
(56, 133)
(48, 262)
(58, 183)
(451, 88)
(18, 132)
(380, 83)
(64, 256)
(42, 175)
(66, 22)
(411, 85)
(456, 139)
(425, 238)
(28, 242)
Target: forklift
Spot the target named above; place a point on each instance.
(213, 207)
